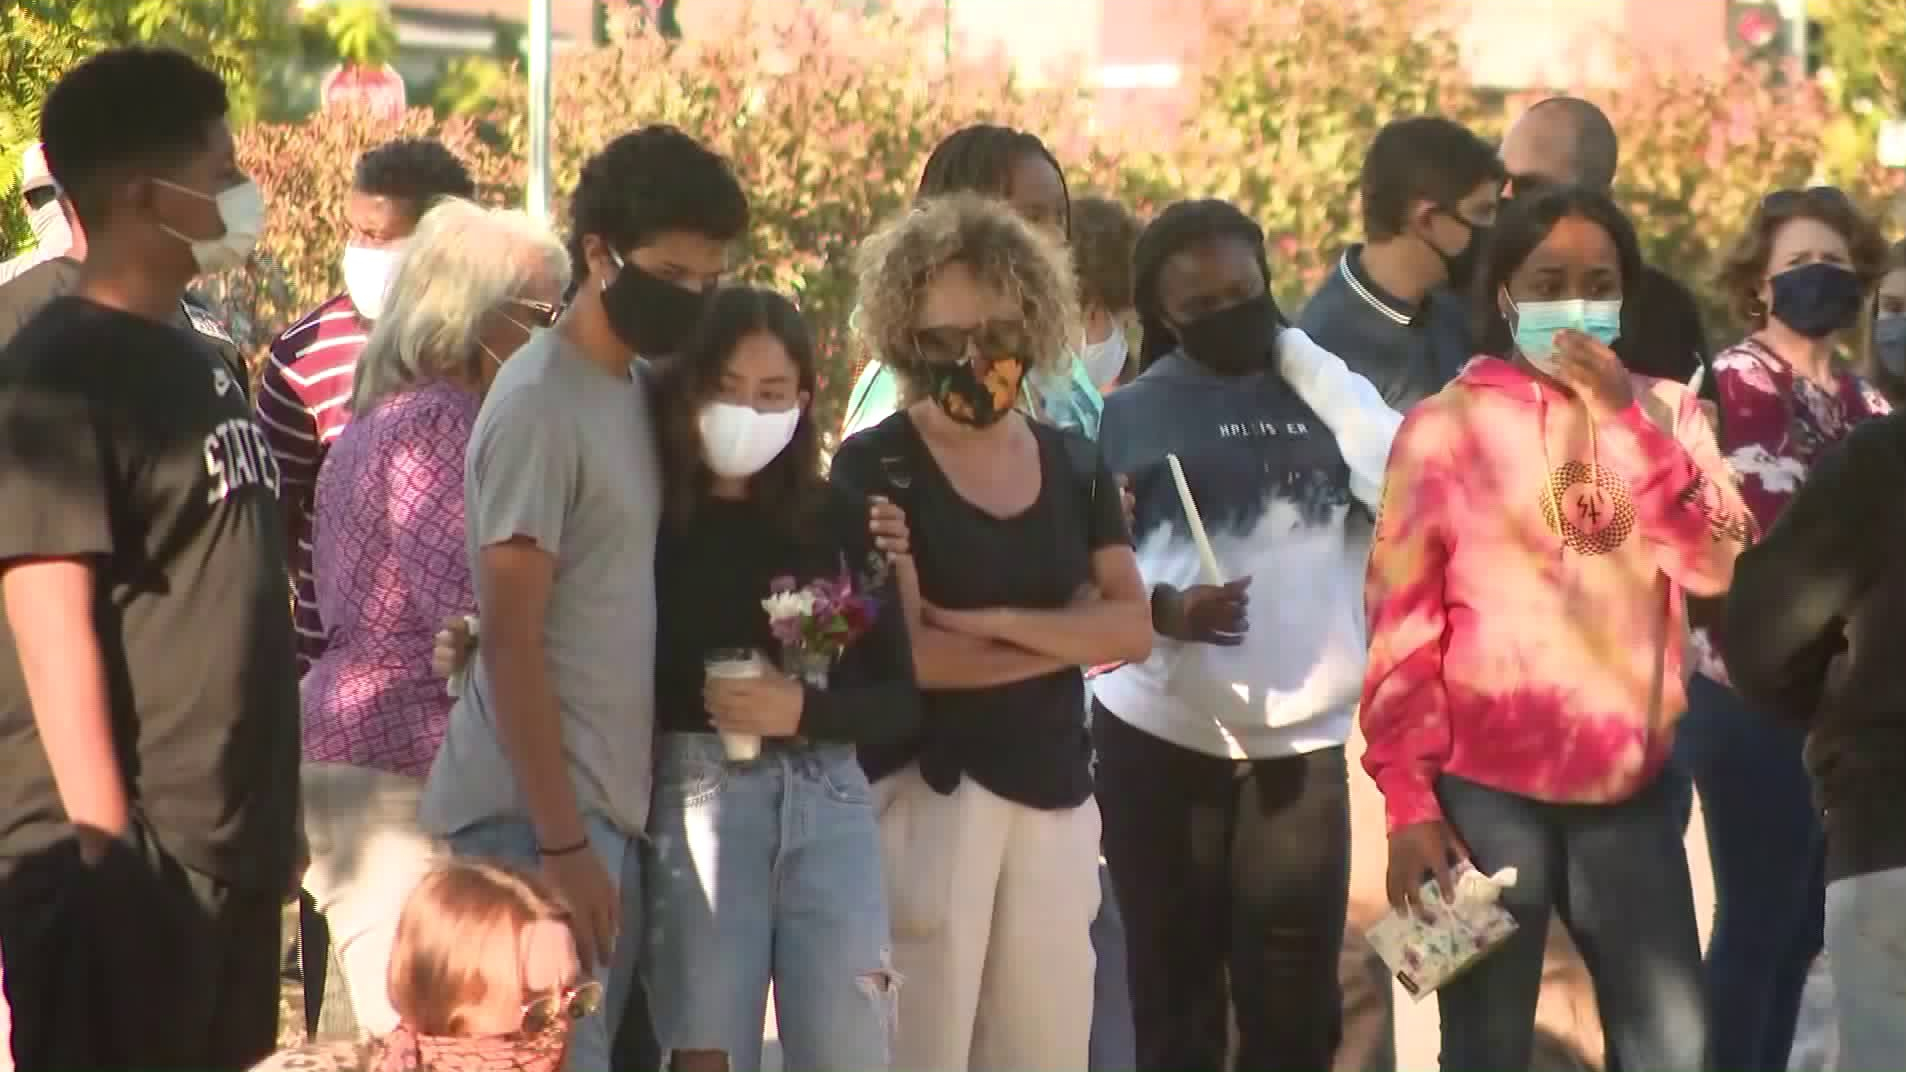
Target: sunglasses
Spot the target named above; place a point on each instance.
(541, 314)
(992, 340)
(1795, 197)
(566, 1006)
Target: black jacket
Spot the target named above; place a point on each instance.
(1815, 622)
(1409, 352)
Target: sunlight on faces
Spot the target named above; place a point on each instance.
(372, 221)
(1892, 293)
(1578, 259)
(762, 375)
(520, 967)
(511, 324)
(1207, 278)
(1038, 194)
(687, 259)
(1799, 241)
(957, 305)
(210, 172)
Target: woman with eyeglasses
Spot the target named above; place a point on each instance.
(1799, 276)
(390, 564)
(483, 975)
(1020, 573)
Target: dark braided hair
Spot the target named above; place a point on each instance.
(1181, 226)
(979, 159)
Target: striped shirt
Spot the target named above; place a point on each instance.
(302, 396)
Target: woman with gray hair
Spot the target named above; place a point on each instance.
(390, 564)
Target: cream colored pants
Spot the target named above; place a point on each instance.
(367, 854)
(992, 905)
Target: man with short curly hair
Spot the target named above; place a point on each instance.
(306, 381)
(547, 760)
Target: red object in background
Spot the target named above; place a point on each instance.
(378, 90)
(1757, 28)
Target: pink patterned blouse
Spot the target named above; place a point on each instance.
(1774, 425)
(390, 566)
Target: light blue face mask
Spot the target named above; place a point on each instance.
(1537, 323)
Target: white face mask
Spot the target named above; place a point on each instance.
(740, 441)
(50, 228)
(367, 277)
(1105, 360)
(241, 209)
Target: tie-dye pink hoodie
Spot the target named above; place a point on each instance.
(1534, 653)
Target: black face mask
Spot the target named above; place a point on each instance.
(651, 315)
(1234, 340)
(1461, 267)
(1816, 299)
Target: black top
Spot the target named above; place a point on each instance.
(710, 578)
(1661, 333)
(1025, 741)
(23, 296)
(1407, 351)
(120, 443)
(1815, 617)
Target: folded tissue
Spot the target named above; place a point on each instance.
(1427, 949)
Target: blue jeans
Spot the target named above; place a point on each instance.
(1112, 1047)
(769, 871)
(512, 840)
(1617, 876)
(1866, 947)
(1769, 855)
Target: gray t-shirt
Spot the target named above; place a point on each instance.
(563, 453)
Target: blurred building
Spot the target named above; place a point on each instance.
(431, 33)
(1142, 54)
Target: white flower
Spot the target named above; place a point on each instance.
(784, 605)
(1778, 476)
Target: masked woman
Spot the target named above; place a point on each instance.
(1020, 574)
(1541, 520)
(1799, 276)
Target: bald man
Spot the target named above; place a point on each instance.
(1569, 141)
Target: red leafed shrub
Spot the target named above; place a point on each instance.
(827, 122)
(1699, 149)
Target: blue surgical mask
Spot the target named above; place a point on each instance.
(1537, 322)
(1889, 343)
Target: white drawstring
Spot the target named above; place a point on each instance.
(1551, 503)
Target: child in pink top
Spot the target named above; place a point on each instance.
(1542, 518)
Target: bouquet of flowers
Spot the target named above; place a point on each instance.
(815, 624)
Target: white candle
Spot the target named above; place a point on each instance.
(1212, 575)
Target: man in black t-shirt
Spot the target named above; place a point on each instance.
(148, 695)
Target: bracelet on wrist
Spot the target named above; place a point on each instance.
(564, 850)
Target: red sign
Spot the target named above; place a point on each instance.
(377, 90)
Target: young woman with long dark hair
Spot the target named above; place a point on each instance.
(767, 869)
(1542, 518)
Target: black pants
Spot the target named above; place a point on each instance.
(137, 962)
(1227, 869)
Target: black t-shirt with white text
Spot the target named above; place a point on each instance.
(1025, 741)
(120, 443)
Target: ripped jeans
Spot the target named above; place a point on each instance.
(768, 872)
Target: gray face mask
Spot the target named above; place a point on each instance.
(1889, 343)
(49, 226)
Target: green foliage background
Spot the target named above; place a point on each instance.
(830, 122)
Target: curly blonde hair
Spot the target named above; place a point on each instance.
(896, 264)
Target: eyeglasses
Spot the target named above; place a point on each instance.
(542, 314)
(992, 340)
(568, 1005)
(1781, 201)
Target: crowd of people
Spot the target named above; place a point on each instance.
(528, 623)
